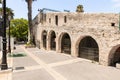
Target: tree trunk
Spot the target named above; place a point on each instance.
(30, 27)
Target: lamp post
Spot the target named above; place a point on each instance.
(4, 56)
(9, 43)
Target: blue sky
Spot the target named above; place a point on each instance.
(92, 6)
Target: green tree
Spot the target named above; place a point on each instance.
(19, 29)
(9, 12)
(79, 8)
(30, 27)
(0, 1)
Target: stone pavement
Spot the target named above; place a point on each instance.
(48, 65)
(7, 74)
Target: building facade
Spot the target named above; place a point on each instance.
(93, 36)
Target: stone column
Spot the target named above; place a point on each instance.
(48, 43)
(103, 56)
(41, 44)
(58, 45)
(74, 49)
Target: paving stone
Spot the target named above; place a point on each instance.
(40, 74)
(75, 69)
(22, 61)
(52, 57)
(88, 71)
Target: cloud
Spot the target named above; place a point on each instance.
(116, 0)
(116, 3)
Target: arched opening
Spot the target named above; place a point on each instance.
(66, 44)
(52, 41)
(44, 39)
(115, 57)
(88, 49)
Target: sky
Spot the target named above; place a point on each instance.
(19, 7)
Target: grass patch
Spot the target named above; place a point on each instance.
(17, 55)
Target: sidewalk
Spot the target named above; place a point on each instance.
(39, 64)
(6, 74)
(50, 65)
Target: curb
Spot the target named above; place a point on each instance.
(6, 71)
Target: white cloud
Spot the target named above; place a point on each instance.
(116, 3)
(116, 0)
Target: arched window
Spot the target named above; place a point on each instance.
(52, 41)
(88, 49)
(115, 57)
(44, 39)
(66, 44)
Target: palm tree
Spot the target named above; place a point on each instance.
(9, 12)
(79, 8)
(30, 27)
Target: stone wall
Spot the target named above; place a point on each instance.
(103, 27)
(82, 19)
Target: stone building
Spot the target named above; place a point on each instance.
(93, 36)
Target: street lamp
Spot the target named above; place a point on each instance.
(4, 56)
(9, 44)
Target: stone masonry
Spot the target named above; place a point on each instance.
(102, 27)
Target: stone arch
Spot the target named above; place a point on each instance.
(64, 42)
(52, 40)
(44, 39)
(87, 47)
(114, 55)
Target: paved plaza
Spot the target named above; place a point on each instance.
(37, 64)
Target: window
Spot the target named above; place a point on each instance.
(112, 24)
(65, 19)
(49, 20)
(56, 20)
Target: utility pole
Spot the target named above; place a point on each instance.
(4, 56)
